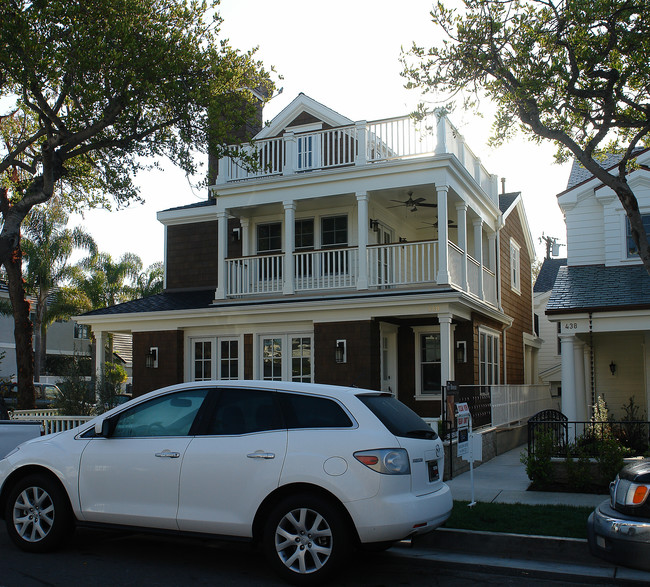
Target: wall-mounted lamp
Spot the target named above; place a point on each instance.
(612, 367)
(236, 234)
(403, 239)
(341, 351)
(151, 358)
(461, 351)
(374, 225)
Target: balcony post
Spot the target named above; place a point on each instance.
(222, 171)
(245, 240)
(492, 260)
(443, 235)
(461, 210)
(363, 224)
(289, 245)
(362, 142)
(222, 251)
(441, 131)
(291, 153)
(478, 253)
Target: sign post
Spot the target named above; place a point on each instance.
(468, 444)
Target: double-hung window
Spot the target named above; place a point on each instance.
(515, 267)
(488, 357)
(632, 250)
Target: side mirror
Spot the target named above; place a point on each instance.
(104, 428)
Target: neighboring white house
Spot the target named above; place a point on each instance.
(601, 299)
(549, 356)
(64, 339)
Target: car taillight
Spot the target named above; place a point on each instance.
(388, 461)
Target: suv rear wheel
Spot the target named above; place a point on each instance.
(305, 539)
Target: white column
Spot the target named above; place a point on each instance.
(441, 131)
(290, 153)
(245, 236)
(478, 253)
(289, 245)
(362, 139)
(581, 397)
(99, 351)
(445, 348)
(569, 406)
(586, 360)
(443, 235)
(222, 251)
(363, 220)
(461, 210)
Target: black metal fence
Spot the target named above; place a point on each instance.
(563, 436)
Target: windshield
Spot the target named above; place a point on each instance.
(398, 418)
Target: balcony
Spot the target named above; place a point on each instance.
(362, 143)
(391, 266)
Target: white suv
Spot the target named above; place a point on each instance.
(308, 471)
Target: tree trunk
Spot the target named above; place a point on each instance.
(22, 331)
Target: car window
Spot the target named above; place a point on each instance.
(169, 415)
(242, 411)
(308, 411)
(398, 418)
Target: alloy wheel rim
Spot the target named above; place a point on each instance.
(33, 514)
(303, 541)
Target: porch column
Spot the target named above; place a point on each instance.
(245, 239)
(581, 397)
(492, 263)
(461, 210)
(478, 254)
(362, 229)
(222, 251)
(569, 405)
(289, 245)
(99, 352)
(291, 153)
(443, 235)
(445, 348)
(362, 146)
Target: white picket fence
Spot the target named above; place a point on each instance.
(52, 422)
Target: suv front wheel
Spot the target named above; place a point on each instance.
(305, 539)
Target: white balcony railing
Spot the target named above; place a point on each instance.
(402, 264)
(361, 143)
(513, 403)
(390, 265)
(326, 269)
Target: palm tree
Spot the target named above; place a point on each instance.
(150, 281)
(47, 248)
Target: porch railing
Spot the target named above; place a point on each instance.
(514, 403)
(254, 275)
(360, 143)
(51, 423)
(325, 269)
(402, 263)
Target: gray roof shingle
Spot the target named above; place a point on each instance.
(599, 288)
(547, 274)
(506, 200)
(162, 302)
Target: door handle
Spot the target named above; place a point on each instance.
(168, 454)
(261, 455)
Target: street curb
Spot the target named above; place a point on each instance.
(543, 555)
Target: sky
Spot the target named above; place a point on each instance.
(344, 54)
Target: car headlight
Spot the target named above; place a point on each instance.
(629, 494)
(388, 461)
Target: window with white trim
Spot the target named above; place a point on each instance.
(215, 358)
(430, 364)
(515, 266)
(488, 357)
(287, 357)
(632, 250)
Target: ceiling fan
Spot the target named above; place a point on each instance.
(413, 203)
(450, 224)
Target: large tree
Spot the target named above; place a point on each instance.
(92, 88)
(575, 72)
(47, 247)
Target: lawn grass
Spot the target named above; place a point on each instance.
(544, 520)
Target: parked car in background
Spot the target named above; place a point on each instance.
(46, 394)
(310, 472)
(619, 528)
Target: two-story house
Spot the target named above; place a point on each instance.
(377, 254)
(600, 302)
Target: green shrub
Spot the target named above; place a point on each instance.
(76, 397)
(538, 465)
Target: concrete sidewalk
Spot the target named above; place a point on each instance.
(503, 479)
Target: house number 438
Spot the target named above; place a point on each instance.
(570, 326)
